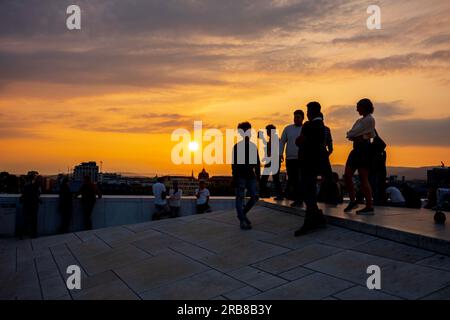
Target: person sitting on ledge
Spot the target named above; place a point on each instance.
(202, 194)
(395, 197)
(160, 194)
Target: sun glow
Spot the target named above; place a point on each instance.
(193, 146)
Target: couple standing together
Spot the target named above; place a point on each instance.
(311, 142)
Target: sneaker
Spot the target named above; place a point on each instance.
(248, 222)
(352, 205)
(245, 226)
(366, 212)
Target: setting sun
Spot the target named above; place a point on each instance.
(193, 146)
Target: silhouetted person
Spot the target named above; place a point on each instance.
(412, 198)
(65, 205)
(395, 197)
(160, 194)
(246, 174)
(202, 194)
(175, 195)
(377, 178)
(360, 157)
(30, 199)
(314, 161)
(331, 191)
(89, 193)
(288, 138)
(432, 197)
(275, 175)
(328, 138)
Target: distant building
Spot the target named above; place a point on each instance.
(203, 175)
(185, 183)
(439, 177)
(221, 186)
(110, 178)
(86, 169)
(226, 180)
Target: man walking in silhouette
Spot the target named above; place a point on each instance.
(314, 161)
(246, 174)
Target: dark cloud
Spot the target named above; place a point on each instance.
(417, 132)
(344, 115)
(399, 62)
(440, 39)
(365, 38)
(153, 115)
(213, 17)
(18, 129)
(392, 125)
(107, 68)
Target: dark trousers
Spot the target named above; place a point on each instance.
(263, 185)
(293, 189)
(243, 208)
(202, 208)
(66, 218)
(309, 172)
(30, 220)
(88, 207)
(175, 212)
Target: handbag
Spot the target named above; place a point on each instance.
(378, 145)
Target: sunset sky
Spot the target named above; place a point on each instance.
(137, 70)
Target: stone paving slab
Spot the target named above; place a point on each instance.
(209, 257)
(361, 293)
(398, 278)
(245, 254)
(156, 271)
(296, 258)
(414, 227)
(104, 286)
(258, 279)
(437, 261)
(312, 287)
(206, 285)
(393, 250)
(112, 259)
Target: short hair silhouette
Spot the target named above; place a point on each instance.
(299, 113)
(314, 108)
(366, 105)
(271, 127)
(244, 126)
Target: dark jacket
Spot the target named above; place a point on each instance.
(88, 192)
(31, 196)
(312, 152)
(65, 198)
(247, 168)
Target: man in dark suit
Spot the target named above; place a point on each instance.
(314, 161)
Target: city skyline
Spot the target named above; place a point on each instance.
(115, 90)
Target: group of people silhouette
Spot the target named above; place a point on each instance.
(305, 147)
(308, 147)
